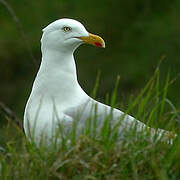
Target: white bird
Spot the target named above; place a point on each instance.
(56, 98)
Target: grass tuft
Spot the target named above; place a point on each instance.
(99, 154)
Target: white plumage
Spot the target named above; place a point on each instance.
(56, 97)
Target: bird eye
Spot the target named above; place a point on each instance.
(66, 29)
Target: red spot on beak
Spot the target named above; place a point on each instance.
(98, 44)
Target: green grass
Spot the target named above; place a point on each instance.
(98, 154)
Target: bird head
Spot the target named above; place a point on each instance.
(68, 34)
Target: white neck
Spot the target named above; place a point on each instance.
(55, 62)
(57, 77)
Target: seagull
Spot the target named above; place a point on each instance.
(56, 98)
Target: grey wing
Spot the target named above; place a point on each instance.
(100, 112)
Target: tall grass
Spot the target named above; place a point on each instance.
(98, 153)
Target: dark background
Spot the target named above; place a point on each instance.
(137, 33)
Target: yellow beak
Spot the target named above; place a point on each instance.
(93, 40)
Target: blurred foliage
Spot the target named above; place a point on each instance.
(137, 34)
